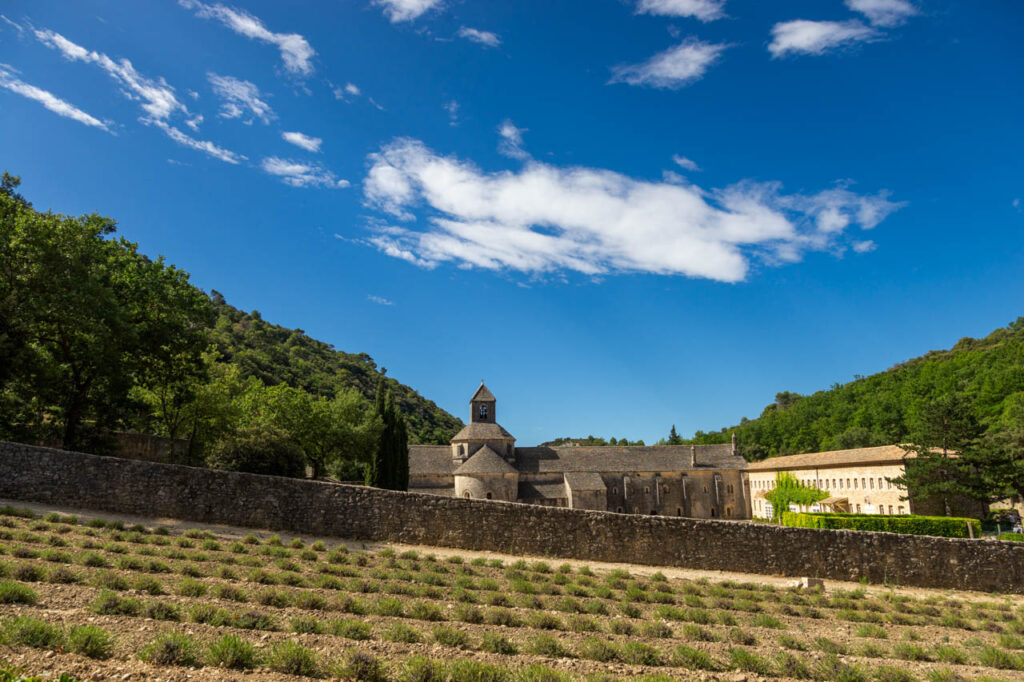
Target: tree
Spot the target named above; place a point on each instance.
(259, 450)
(673, 437)
(789, 490)
(940, 453)
(1000, 457)
(378, 473)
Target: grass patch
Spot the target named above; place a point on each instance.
(291, 658)
(497, 644)
(231, 651)
(13, 593)
(32, 632)
(91, 641)
(400, 632)
(543, 644)
(174, 648)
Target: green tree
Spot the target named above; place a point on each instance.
(1000, 458)
(673, 437)
(944, 441)
(789, 490)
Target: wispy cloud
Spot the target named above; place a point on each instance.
(511, 144)
(685, 163)
(296, 51)
(13, 24)
(299, 174)
(238, 97)
(817, 37)
(704, 10)
(49, 100)
(157, 99)
(884, 12)
(674, 68)
(406, 10)
(452, 107)
(545, 218)
(477, 36)
(307, 142)
(379, 300)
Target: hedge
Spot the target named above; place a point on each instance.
(1012, 537)
(942, 526)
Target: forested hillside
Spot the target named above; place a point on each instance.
(986, 374)
(274, 355)
(97, 338)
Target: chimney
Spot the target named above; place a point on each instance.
(693, 456)
(733, 443)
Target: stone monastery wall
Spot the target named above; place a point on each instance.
(204, 495)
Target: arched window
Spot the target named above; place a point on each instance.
(618, 509)
(728, 511)
(483, 411)
(713, 512)
(664, 488)
(647, 490)
(636, 510)
(489, 496)
(679, 511)
(466, 495)
(705, 490)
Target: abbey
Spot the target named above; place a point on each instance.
(483, 462)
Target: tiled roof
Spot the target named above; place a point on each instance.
(482, 431)
(612, 459)
(530, 490)
(836, 458)
(584, 481)
(483, 394)
(430, 460)
(485, 461)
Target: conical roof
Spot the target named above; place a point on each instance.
(482, 394)
(485, 461)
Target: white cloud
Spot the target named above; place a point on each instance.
(511, 143)
(1016, 203)
(194, 122)
(816, 37)
(299, 174)
(310, 144)
(295, 50)
(884, 12)
(864, 246)
(483, 37)
(204, 146)
(156, 97)
(704, 10)
(49, 100)
(238, 96)
(13, 24)
(685, 163)
(406, 10)
(674, 68)
(379, 300)
(545, 218)
(452, 108)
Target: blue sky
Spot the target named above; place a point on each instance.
(623, 214)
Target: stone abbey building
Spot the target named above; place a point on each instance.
(483, 462)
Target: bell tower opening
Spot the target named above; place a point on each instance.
(482, 405)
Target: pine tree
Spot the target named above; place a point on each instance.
(673, 437)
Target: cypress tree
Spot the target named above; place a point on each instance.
(401, 452)
(377, 468)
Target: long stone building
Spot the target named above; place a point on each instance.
(483, 462)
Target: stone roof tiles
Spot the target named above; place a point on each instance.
(882, 454)
(482, 431)
(484, 461)
(625, 459)
(584, 480)
(483, 394)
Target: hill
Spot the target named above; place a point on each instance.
(275, 354)
(881, 409)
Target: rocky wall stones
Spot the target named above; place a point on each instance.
(162, 490)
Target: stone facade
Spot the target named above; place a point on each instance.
(483, 462)
(156, 490)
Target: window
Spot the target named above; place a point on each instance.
(900, 510)
(834, 484)
(863, 484)
(855, 484)
(615, 490)
(647, 490)
(848, 484)
(888, 484)
(466, 494)
(728, 489)
(618, 509)
(858, 509)
(483, 411)
(636, 510)
(714, 513)
(872, 481)
(679, 511)
(664, 488)
(879, 482)
(489, 496)
(728, 511)
(890, 510)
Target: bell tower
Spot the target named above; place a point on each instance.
(481, 406)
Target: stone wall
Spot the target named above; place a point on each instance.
(162, 490)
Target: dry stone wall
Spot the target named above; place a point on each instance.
(162, 490)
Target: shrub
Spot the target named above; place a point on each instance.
(400, 632)
(826, 645)
(158, 610)
(259, 451)
(831, 668)
(231, 651)
(694, 659)
(90, 640)
(306, 625)
(230, 592)
(871, 630)
(363, 667)
(466, 670)
(497, 644)
(744, 660)
(174, 648)
(420, 610)
(696, 633)
(506, 617)
(910, 652)
(788, 642)
(622, 627)
(33, 632)
(543, 644)
(447, 635)
(763, 620)
(942, 526)
(110, 604)
(13, 593)
(58, 574)
(545, 621)
(291, 658)
(149, 585)
(888, 673)
(738, 636)
(189, 587)
(350, 628)
(586, 624)
(789, 665)
(997, 658)
(276, 598)
(388, 606)
(598, 650)
(252, 620)
(94, 560)
(536, 672)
